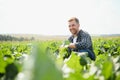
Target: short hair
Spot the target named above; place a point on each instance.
(74, 19)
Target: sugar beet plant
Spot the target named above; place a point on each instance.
(11, 58)
(52, 60)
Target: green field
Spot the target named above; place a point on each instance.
(46, 60)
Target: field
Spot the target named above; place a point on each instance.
(46, 60)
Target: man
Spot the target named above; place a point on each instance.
(80, 40)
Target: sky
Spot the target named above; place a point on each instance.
(50, 17)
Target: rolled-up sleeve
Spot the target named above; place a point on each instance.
(85, 42)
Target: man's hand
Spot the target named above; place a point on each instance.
(72, 45)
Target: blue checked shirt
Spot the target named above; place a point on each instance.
(83, 41)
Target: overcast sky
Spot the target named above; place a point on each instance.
(49, 17)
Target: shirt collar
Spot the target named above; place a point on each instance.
(80, 31)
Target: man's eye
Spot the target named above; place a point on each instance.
(72, 25)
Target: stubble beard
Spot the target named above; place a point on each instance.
(74, 32)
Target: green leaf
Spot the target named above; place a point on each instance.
(107, 69)
(44, 67)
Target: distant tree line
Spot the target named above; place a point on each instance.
(11, 38)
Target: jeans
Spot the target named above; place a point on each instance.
(90, 53)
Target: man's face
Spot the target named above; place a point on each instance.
(73, 27)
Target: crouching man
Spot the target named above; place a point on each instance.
(80, 40)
